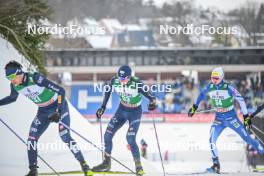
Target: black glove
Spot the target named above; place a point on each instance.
(100, 112)
(152, 105)
(247, 121)
(192, 110)
(55, 117)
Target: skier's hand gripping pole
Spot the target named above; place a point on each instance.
(56, 116)
(100, 112)
(192, 110)
(152, 105)
(256, 128)
(247, 121)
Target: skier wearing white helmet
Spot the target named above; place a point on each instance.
(222, 95)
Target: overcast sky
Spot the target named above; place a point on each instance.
(224, 5)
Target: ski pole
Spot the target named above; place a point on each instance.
(42, 159)
(205, 111)
(157, 139)
(81, 136)
(258, 129)
(101, 135)
(257, 136)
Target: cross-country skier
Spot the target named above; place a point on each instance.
(247, 121)
(222, 95)
(130, 90)
(52, 107)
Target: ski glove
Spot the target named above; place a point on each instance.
(192, 110)
(55, 117)
(100, 112)
(247, 121)
(152, 105)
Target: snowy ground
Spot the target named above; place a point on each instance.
(188, 147)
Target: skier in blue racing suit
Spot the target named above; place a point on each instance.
(222, 95)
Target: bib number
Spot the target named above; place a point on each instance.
(218, 102)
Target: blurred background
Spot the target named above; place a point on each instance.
(132, 36)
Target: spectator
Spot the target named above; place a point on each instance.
(144, 147)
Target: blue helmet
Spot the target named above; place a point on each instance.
(124, 71)
(13, 68)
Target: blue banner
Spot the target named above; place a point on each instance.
(87, 99)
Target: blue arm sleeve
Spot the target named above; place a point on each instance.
(259, 108)
(202, 95)
(11, 98)
(232, 91)
(143, 91)
(42, 81)
(108, 92)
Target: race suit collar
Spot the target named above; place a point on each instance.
(220, 84)
(25, 79)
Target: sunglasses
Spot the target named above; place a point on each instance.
(12, 76)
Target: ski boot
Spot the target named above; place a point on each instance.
(86, 169)
(105, 166)
(214, 169)
(139, 169)
(33, 172)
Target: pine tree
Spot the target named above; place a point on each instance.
(15, 15)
